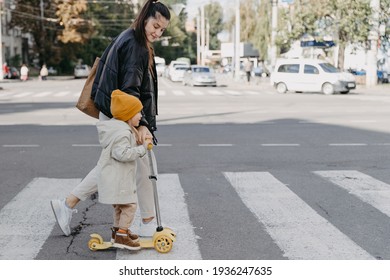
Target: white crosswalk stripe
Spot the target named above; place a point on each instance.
(296, 228)
(23, 94)
(162, 93)
(27, 221)
(178, 92)
(43, 94)
(368, 189)
(174, 213)
(61, 93)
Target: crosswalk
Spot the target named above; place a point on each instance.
(11, 95)
(296, 228)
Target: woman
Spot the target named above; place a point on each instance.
(127, 64)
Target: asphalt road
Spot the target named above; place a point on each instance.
(260, 175)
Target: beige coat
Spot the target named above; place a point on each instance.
(117, 163)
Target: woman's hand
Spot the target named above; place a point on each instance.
(143, 134)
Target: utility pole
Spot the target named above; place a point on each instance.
(202, 36)
(198, 51)
(372, 67)
(237, 43)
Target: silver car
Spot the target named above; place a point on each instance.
(199, 75)
(81, 71)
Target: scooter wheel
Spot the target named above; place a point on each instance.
(93, 242)
(163, 244)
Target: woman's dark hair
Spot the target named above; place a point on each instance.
(149, 9)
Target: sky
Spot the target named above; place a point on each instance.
(193, 5)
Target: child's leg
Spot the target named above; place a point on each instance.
(123, 237)
(117, 214)
(126, 217)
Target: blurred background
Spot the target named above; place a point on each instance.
(350, 34)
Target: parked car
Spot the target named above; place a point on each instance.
(383, 76)
(260, 71)
(310, 75)
(52, 71)
(199, 75)
(81, 71)
(13, 73)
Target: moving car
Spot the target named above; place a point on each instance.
(171, 68)
(176, 74)
(310, 75)
(160, 65)
(81, 71)
(199, 75)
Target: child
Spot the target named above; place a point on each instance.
(117, 165)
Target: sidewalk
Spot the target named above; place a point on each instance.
(256, 83)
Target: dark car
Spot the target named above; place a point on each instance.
(13, 73)
(260, 71)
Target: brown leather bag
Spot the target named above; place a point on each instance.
(85, 104)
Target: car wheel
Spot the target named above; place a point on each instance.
(328, 89)
(281, 87)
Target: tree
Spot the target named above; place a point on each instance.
(214, 15)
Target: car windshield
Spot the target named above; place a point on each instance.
(329, 68)
(181, 68)
(201, 70)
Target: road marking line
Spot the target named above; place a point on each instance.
(27, 220)
(21, 146)
(178, 92)
(233, 92)
(366, 188)
(162, 93)
(296, 228)
(215, 92)
(23, 94)
(174, 213)
(252, 92)
(42, 94)
(197, 92)
(61, 93)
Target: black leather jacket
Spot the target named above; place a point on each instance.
(124, 66)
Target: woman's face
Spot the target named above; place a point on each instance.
(155, 26)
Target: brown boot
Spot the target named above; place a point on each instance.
(123, 241)
(132, 236)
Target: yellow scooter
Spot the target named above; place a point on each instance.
(162, 240)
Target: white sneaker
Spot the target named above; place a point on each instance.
(147, 229)
(63, 214)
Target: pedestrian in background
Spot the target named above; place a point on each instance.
(44, 72)
(6, 71)
(248, 69)
(127, 64)
(24, 72)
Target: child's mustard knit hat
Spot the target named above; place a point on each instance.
(124, 106)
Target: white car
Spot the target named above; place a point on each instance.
(160, 65)
(199, 75)
(82, 71)
(176, 74)
(171, 69)
(310, 75)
